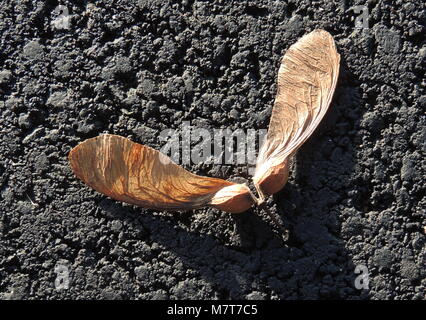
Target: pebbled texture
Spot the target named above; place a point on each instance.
(355, 195)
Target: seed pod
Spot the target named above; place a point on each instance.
(140, 175)
(233, 199)
(273, 179)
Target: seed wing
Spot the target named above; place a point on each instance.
(306, 82)
(139, 175)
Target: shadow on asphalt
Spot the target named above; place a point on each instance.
(313, 263)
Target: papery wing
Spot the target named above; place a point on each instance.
(306, 81)
(140, 175)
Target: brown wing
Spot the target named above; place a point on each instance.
(140, 175)
(306, 81)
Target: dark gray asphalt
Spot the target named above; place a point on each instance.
(356, 196)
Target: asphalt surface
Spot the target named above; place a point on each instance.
(355, 200)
